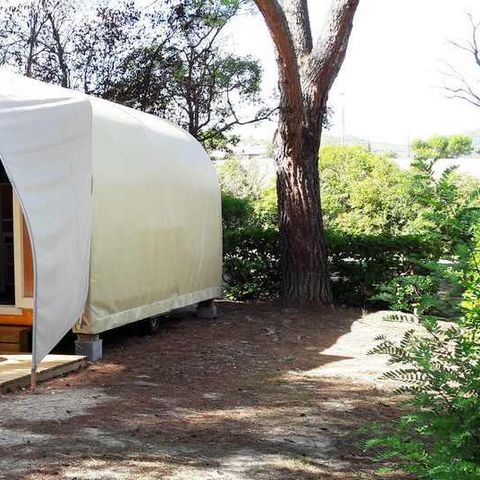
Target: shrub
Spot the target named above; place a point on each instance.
(439, 368)
(410, 293)
(358, 263)
(265, 207)
(251, 263)
(236, 212)
(385, 227)
(364, 193)
(239, 179)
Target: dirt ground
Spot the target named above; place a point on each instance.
(259, 393)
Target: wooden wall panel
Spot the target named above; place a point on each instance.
(27, 263)
(25, 319)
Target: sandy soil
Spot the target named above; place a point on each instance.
(260, 393)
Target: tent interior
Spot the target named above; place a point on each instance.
(16, 273)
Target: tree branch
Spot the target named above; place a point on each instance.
(460, 87)
(329, 52)
(260, 117)
(296, 12)
(60, 50)
(474, 43)
(290, 85)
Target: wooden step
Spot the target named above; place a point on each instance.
(15, 369)
(14, 339)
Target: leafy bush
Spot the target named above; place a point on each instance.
(251, 263)
(265, 207)
(364, 193)
(437, 147)
(236, 212)
(439, 368)
(383, 225)
(446, 205)
(239, 180)
(360, 263)
(411, 293)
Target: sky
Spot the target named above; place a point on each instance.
(389, 88)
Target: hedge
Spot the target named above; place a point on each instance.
(358, 263)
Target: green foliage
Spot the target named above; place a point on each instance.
(166, 58)
(250, 247)
(360, 263)
(446, 205)
(237, 212)
(251, 263)
(364, 193)
(184, 74)
(266, 208)
(439, 368)
(239, 181)
(429, 287)
(386, 230)
(438, 147)
(410, 293)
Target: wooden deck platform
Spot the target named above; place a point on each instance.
(15, 368)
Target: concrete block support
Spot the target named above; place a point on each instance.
(89, 346)
(207, 309)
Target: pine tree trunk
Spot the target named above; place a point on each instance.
(306, 74)
(303, 253)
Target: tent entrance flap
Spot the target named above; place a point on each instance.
(45, 147)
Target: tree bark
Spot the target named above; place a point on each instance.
(306, 74)
(296, 12)
(303, 252)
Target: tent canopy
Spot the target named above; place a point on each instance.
(123, 209)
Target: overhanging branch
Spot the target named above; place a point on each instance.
(260, 117)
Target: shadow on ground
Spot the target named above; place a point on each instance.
(240, 397)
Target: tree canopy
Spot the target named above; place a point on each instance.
(438, 147)
(363, 192)
(166, 59)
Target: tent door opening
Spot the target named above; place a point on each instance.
(7, 265)
(16, 273)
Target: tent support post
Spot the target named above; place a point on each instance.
(89, 345)
(33, 379)
(207, 309)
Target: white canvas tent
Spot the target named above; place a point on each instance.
(123, 209)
